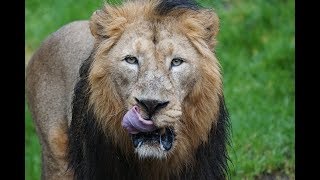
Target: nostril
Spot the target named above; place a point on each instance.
(151, 105)
(162, 104)
(142, 103)
(138, 101)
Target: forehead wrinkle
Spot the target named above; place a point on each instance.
(143, 32)
(165, 48)
(137, 46)
(143, 46)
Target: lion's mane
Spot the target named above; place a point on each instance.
(100, 149)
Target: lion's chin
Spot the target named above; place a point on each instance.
(155, 144)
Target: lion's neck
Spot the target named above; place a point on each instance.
(158, 169)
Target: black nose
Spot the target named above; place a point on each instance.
(151, 105)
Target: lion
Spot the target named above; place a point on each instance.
(136, 92)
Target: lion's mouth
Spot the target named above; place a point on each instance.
(145, 133)
(163, 137)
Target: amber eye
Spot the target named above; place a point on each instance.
(176, 62)
(131, 60)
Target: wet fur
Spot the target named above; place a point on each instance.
(99, 147)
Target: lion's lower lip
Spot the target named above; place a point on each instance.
(165, 140)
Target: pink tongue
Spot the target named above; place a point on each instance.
(134, 123)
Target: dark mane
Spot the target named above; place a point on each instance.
(212, 157)
(167, 6)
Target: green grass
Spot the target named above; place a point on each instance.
(256, 49)
(32, 150)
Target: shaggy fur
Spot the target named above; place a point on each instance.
(99, 147)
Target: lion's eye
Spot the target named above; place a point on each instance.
(176, 62)
(131, 60)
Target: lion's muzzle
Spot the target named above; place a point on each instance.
(144, 132)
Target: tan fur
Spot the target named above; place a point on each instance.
(51, 75)
(135, 28)
(58, 139)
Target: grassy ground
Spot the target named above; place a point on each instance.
(256, 50)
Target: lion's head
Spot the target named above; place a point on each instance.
(160, 60)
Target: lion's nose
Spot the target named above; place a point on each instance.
(151, 105)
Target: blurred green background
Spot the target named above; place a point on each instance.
(256, 50)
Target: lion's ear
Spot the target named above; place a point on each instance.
(203, 24)
(211, 25)
(96, 24)
(107, 22)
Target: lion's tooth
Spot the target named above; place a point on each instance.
(161, 146)
(167, 139)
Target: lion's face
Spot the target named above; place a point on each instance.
(154, 70)
(162, 65)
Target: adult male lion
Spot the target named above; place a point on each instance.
(135, 93)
